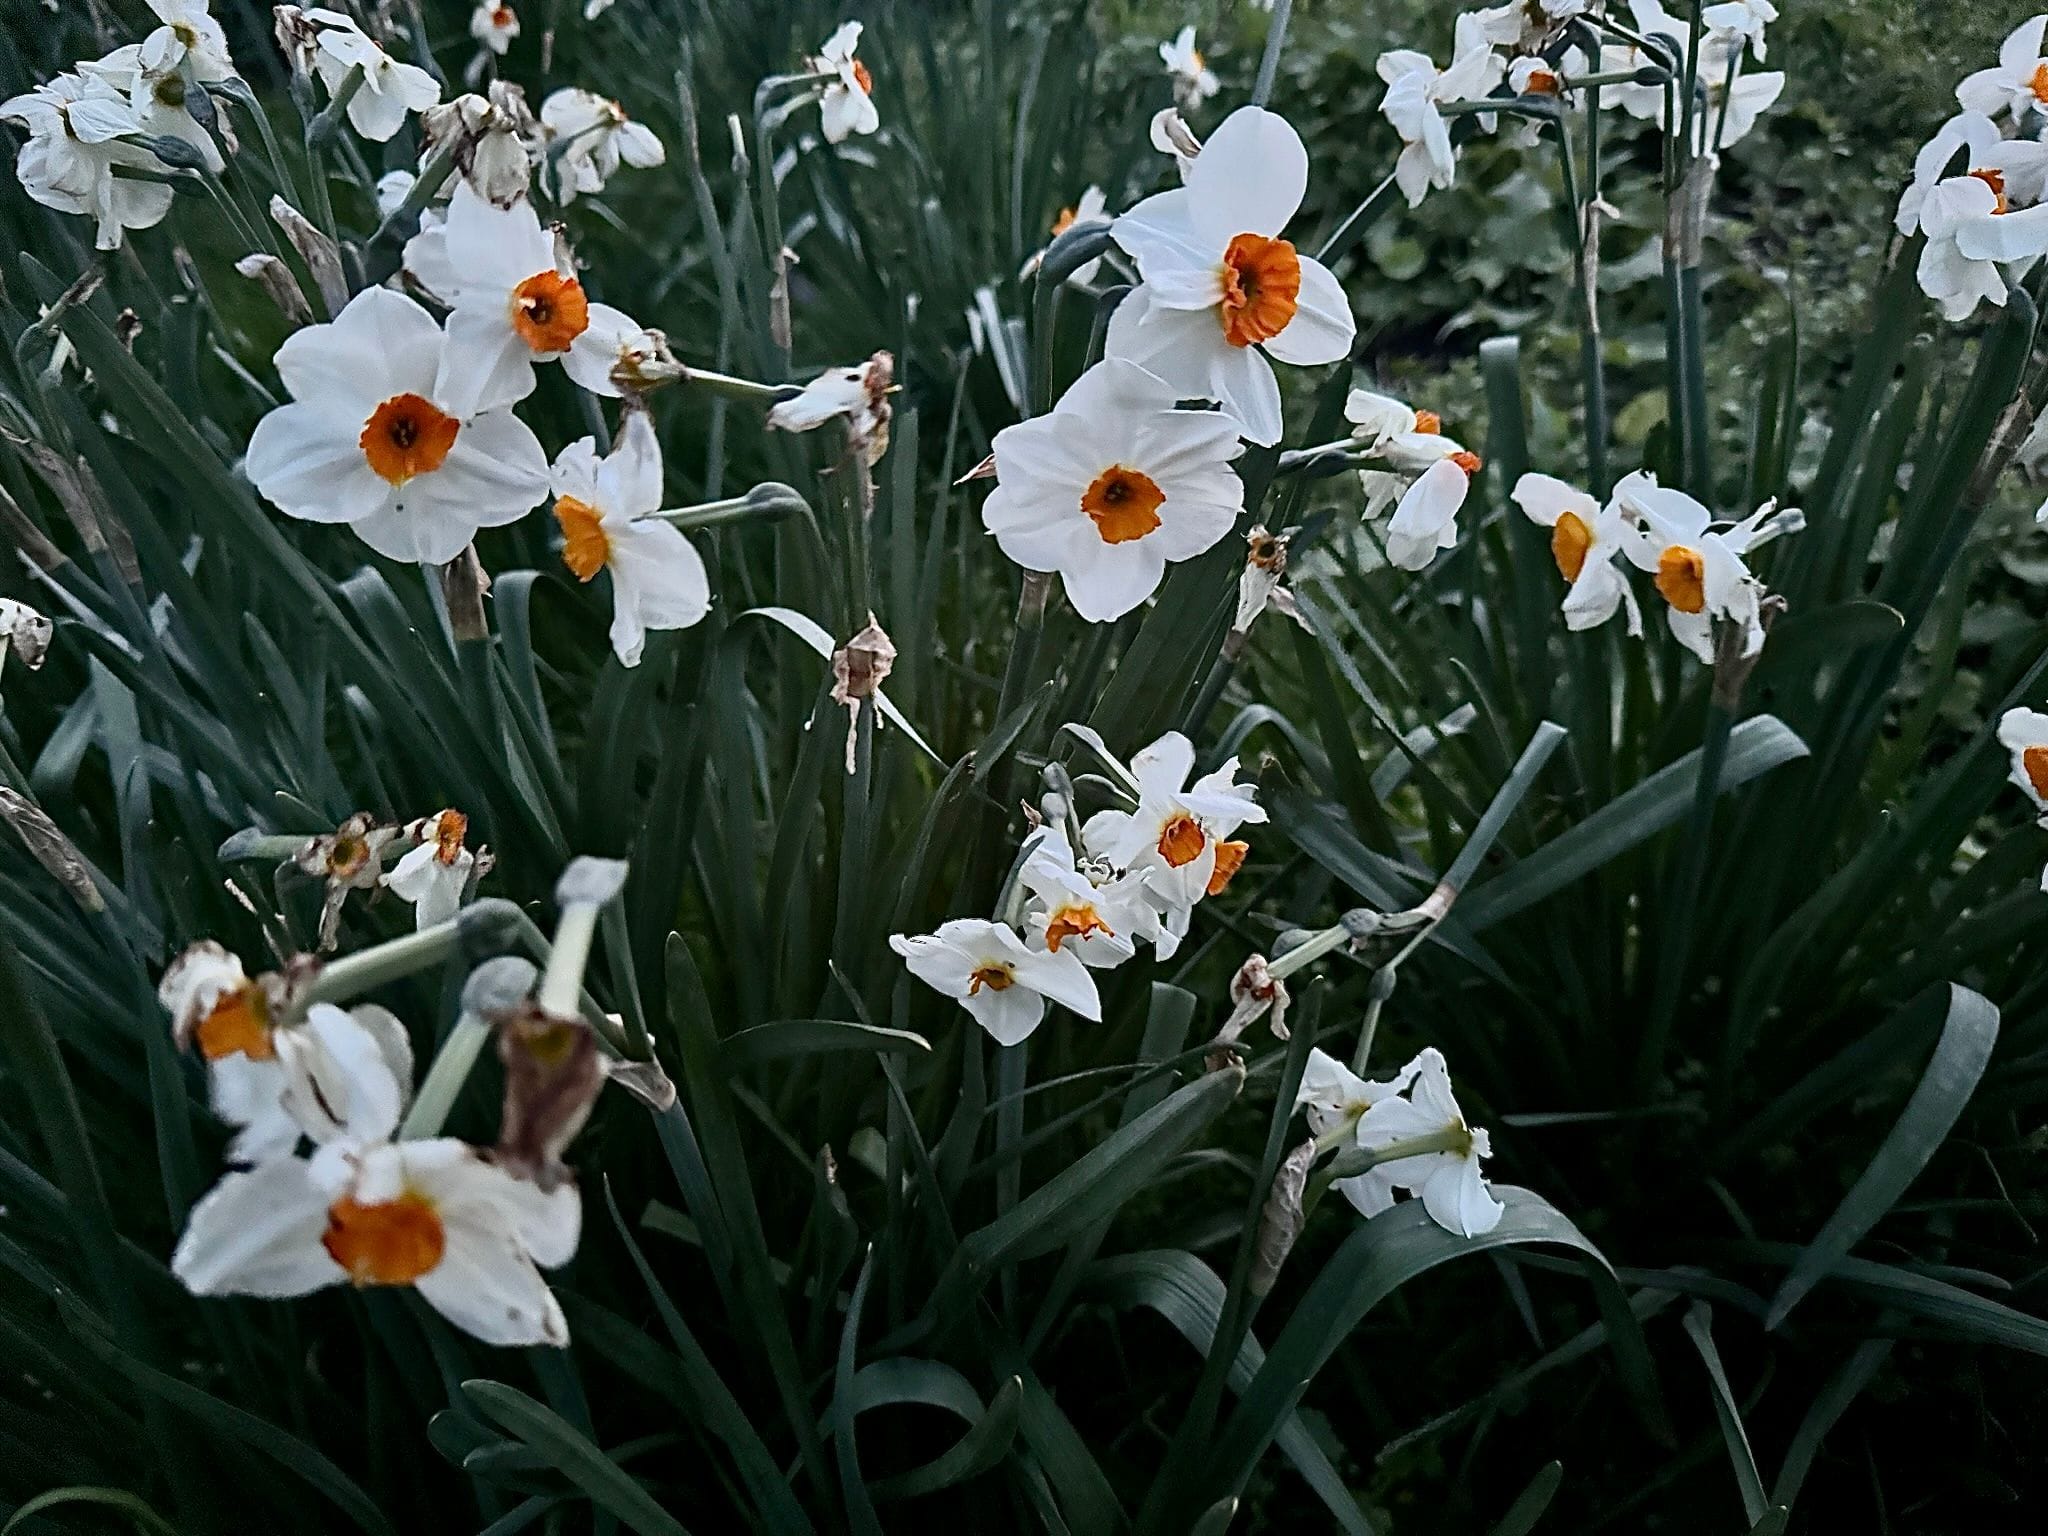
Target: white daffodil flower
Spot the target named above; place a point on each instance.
(1078, 906)
(23, 633)
(1335, 1099)
(158, 99)
(433, 874)
(1726, 113)
(277, 1082)
(604, 508)
(1448, 1182)
(372, 436)
(1699, 570)
(391, 90)
(75, 124)
(393, 188)
(859, 394)
(1972, 232)
(1426, 481)
(513, 300)
(1585, 539)
(1416, 88)
(1730, 111)
(847, 105)
(1193, 81)
(2018, 83)
(1529, 26)
(1425, 520)
(431, 1214)
(588, 137)
(1093, 205)
(1740, 21)
(1111, 485)
(996, 977)
(1179, 837)
(494, 26)
(186, 31)
(1222, 290)
(1971, 131)
(2024, 733)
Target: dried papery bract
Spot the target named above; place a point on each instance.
(1281, 1219)
(492, 139)
(24, 634)
(1255, 993)
(859, 668)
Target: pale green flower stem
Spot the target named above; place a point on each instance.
(318, 133)
(1348, 1165)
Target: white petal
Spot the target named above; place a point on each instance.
(257, 1233)
(1322, 329)
(1250, 177)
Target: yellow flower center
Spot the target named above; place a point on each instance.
(2035, 761)
(1569, 542)
(239, 1022)
(1468, 461)
(449, 833)
(549, 311)
(997, 976)
(1229, 860)
(1995, 180)
(1261, 288)
(391, 1243)
(1123, 503)
(585, 546)
(407, 435)
(2037, 82)
(863, 79)
(1074, 922)
(1181, 840)
(1428, 423)
(1681, 577)
(1064, 222)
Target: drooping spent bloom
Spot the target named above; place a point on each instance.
(588, 136)
(24, 633)
(1699, 569)
(1193, 81)
(350, 858)
(1111, 485)
(846, 106)
(1223, 290)
(373, 436)
(1170, 135)
(75, 125)
(859, 668)
(859, 395)
(997, 978)
(492, 138)
(275, 1080)
(2018, 83)
(468, 1235)
(1077, 905)
(1335, 1099)
(1585, 539)
(608, 509)
(435, 871)
(1447, 1181)
(514, 300)
(391, 90)
(1416, 89)
(494, 26)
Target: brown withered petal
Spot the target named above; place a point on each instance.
(1280, 1222)
(552, 1077)
(51, 848)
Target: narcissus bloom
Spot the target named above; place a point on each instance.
(1334, 1099)
(1078, 906)
(435, 872)
(2018, 83)
(1585, 539)
(389, 431)
(1111, 485)
(2024, 733)
(1093, 205)
(433, 1214)
(1222, 289)
(1171, 135)
(187, 31)
(1699, 569)
(1193, 81)
(1971, 131)
(605, 508)
(495, 26)
(75, 125)
(1730, 111)
(515, 301)
(391, 90)
(158, 97)
(859, 395)
(1425, 520)
(1972, 231)
(491, 137)
(847, 105)
(1448, 1182)
(589, 136)
(997, 978)
(1416, 89)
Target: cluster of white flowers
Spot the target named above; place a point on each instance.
(1086, 893)
(1986, 225)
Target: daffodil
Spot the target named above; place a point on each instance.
(1170, 135)
(1528, 27)
(2018, 83)
(494, 26)
(350, 858)
(1966, 131)
(606, 510)
(1699, 569)
(391, 90)
(1740, 21)
(158, 97)
(514, 300)
(1334, 1100)
(1091, 206)
(2024, 734)
(1425, 520)
(1000, 980)
(1426, 478)
(846, 106)
(1585, 539)
(75, 126)
(275, 1080)
(1446, 1177)
(1078, 904)
(1417, 89)
(588, 137)
(186, 31)
(390, 431)
(1193, 81)
(492, 137)
(858, 395)
(1223, 290)
(1111, 485)
(433, 874)
(1973, 231)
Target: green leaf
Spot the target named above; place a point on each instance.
(852, 1485)
(987, 1442)
(145, 1518)
(607, 1485)
(1755, 746)
(781, 1039)
(1528, 1508)
(1829, 1404)
(1967, 1037)
(1699, 1328)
